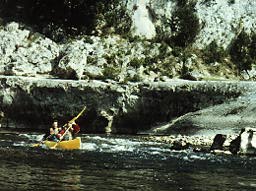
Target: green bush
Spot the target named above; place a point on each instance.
(242, 51)
(64, 19)
(111, 72)
(253, 46)
(230, 2)
(214, 53)
(137, 62)
(117, 17)
(185, 24)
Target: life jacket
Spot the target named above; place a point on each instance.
(76, 128)
(62, 132)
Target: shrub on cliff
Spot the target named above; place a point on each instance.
(185, 24)
(61, 19)
(111, 72)
(117, 18)
(214, 53)
(242, 51)
(253, 46)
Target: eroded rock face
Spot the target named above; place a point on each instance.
(222, 20)
(224, 118)
(112, 107)
(142, 24)
(218, 20)
(71, 65)
(127, 80)
(93, 57)
(29, 102)
(25, 54)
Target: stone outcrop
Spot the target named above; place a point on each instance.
(25, 54)
(218, 142)
(29, 101)
(228, 117)
(114, 107)
(219, 20)
(244, 143)
(248, 141)
(71, 65)
(124, 64)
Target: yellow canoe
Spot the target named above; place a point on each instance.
(67, 145)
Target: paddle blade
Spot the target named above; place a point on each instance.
(36, 145)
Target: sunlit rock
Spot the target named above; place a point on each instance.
(248, 141)
(25, 54)
(142, 20)
(222, 21)
(71, 66)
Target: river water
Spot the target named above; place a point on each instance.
(118, 163)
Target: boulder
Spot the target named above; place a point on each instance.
(71, 66)
(180, 144)
(234, 145)
(226, 117)
(218, 142)
(248, 141)
(24, 53)
(93, 71)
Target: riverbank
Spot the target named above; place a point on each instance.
(178, 105)
(197, 143)
(128, 86)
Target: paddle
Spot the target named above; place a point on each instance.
(71, 121)
(40, 143)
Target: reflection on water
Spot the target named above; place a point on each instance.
(25, 176)
(136, 165)
(85, 177)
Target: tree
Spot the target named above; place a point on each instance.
(241, 52)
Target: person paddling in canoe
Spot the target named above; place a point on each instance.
(67, 133)
(51, 135)
(72, 130)
(57, 134)
(75, 129)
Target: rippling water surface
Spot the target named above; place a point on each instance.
(118, 163)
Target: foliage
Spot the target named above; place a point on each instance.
(214, 53)
(243, 51)
(61, 19)
(185, 70)
(119, 19)
(253, 46)
(185, 24)
(111, 72)
(231, 2)
(137, 62)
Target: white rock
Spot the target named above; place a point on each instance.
(72, 65)
(248, 141)
(142, 23)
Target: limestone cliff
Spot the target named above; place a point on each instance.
(125, 108)
(122, 59)
(190, 39)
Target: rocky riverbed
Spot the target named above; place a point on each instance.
(197, 143)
